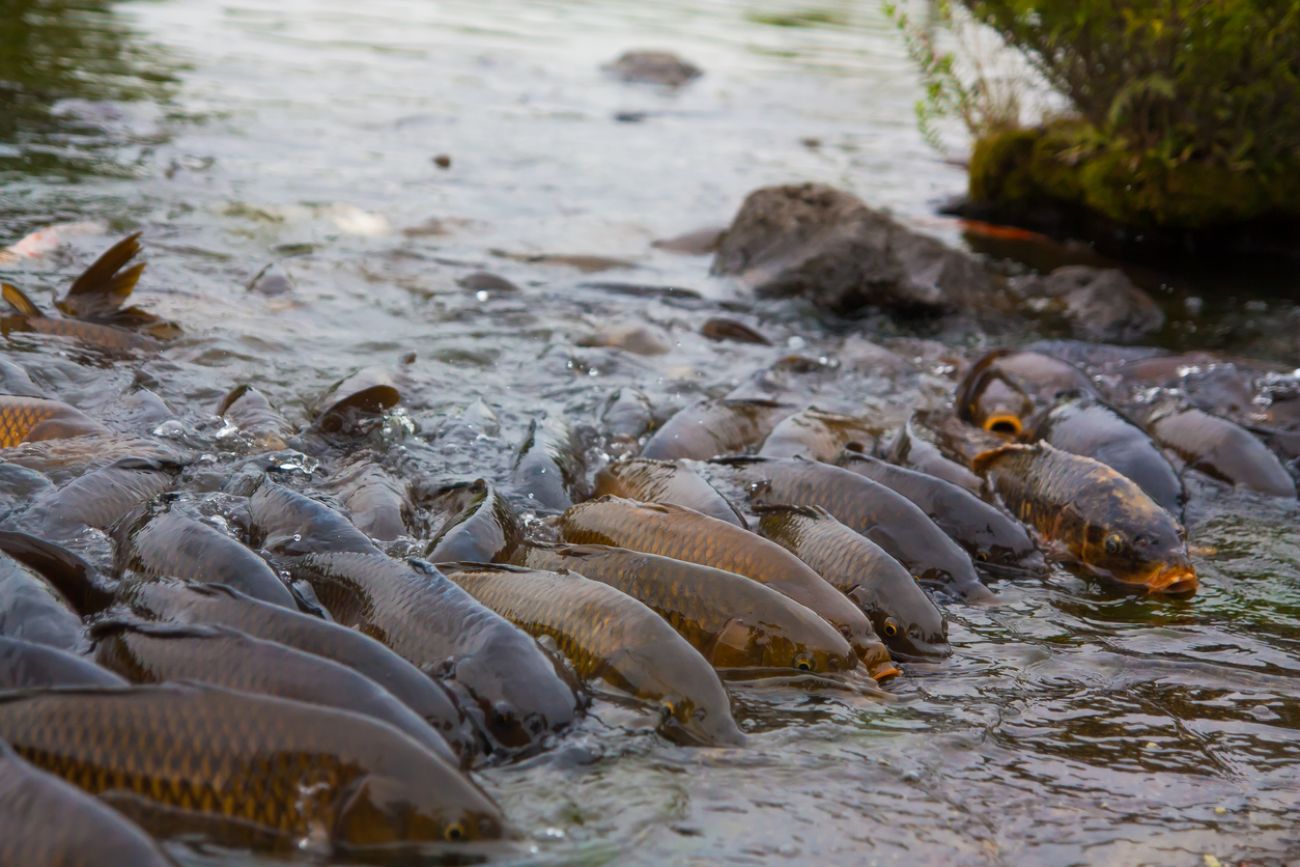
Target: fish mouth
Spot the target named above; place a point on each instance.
(1173, 581)
(1004, 424)
(883, 671)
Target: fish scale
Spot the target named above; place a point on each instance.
(681, 533)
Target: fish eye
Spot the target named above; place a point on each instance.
(1114, 543)
(455, 832)
(891, 628)
(670, 709)
(802, 662)
(981, 556)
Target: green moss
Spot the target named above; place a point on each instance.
(1064, 164)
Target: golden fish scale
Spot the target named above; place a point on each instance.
(589, 621)
(182, 755)
(690, 536)
(103, 336)
(826, 542)
(18, 415)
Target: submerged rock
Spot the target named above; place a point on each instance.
(1097, 303)
(653, 67)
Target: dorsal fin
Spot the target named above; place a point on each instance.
(982, 461)
(106, 277)
(18, 300)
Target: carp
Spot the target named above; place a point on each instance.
(651, 481)
(686, 535)
(715, 427)
(610, 636)
(1102, 520)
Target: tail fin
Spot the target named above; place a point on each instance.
(18, 300)
(106, 283)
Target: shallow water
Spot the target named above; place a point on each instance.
(1070, 726)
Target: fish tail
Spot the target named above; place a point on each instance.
(18, 300)
(107, 275)
(985, 459)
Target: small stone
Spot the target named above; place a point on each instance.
(653, 67)
(442, 161)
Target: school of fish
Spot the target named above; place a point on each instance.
(323, 661)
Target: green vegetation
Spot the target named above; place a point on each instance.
(1180, 113)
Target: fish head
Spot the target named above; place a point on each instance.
(1141, 548)
(414, 805)
(519, 709)
(685, 721)
(1001, 408)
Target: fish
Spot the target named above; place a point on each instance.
(1102, 520)
(379, 505)
(818, 435)
(902, 615)
(518, 692)
(1005, 388)
(368, 393)
(912, 447)
(27, 665)
(613, 637)
(887, 518)
(248, 771)
(548, 467)
(88, 832)
(289, 524)
(219, 605)
(94, 304)
(249, 410)
(651, 481)
(164, 543)
(722, 328)
(1088, 427)
(673, 531)
(1222, 450)
(144, 652)
(15, 381)
(101, 497)
(76, 582)
(32, 610)
(35, 419)
(989, 535)
(485, 529)
(625, 417)
(736, 622)
(715, 427)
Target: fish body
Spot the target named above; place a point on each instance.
(1003, 390)
(250, 411)
(548, 467)
(817, 435)
(611, 636)
(734, 621)
(1090, 428)
(219, 605)
(158, 653)
(170, 544)
(289, 524)
(378, 504)
(625, 417)
(912, 448)
(1223, 450)
(1102, 519)
(365, 394)
(485, 529)
(99, 498)
(27, 665)
(33, 803)
(686, 535)
(32, 610)
(715, 427)
(434, 624)
(902, 615)
(34, 419)
(651, 481)
(986, 533)
(249, 770)
(885, 517)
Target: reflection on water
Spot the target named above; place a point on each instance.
(1070, 726)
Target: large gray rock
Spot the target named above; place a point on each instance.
(1096, 303)
(826, 244)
